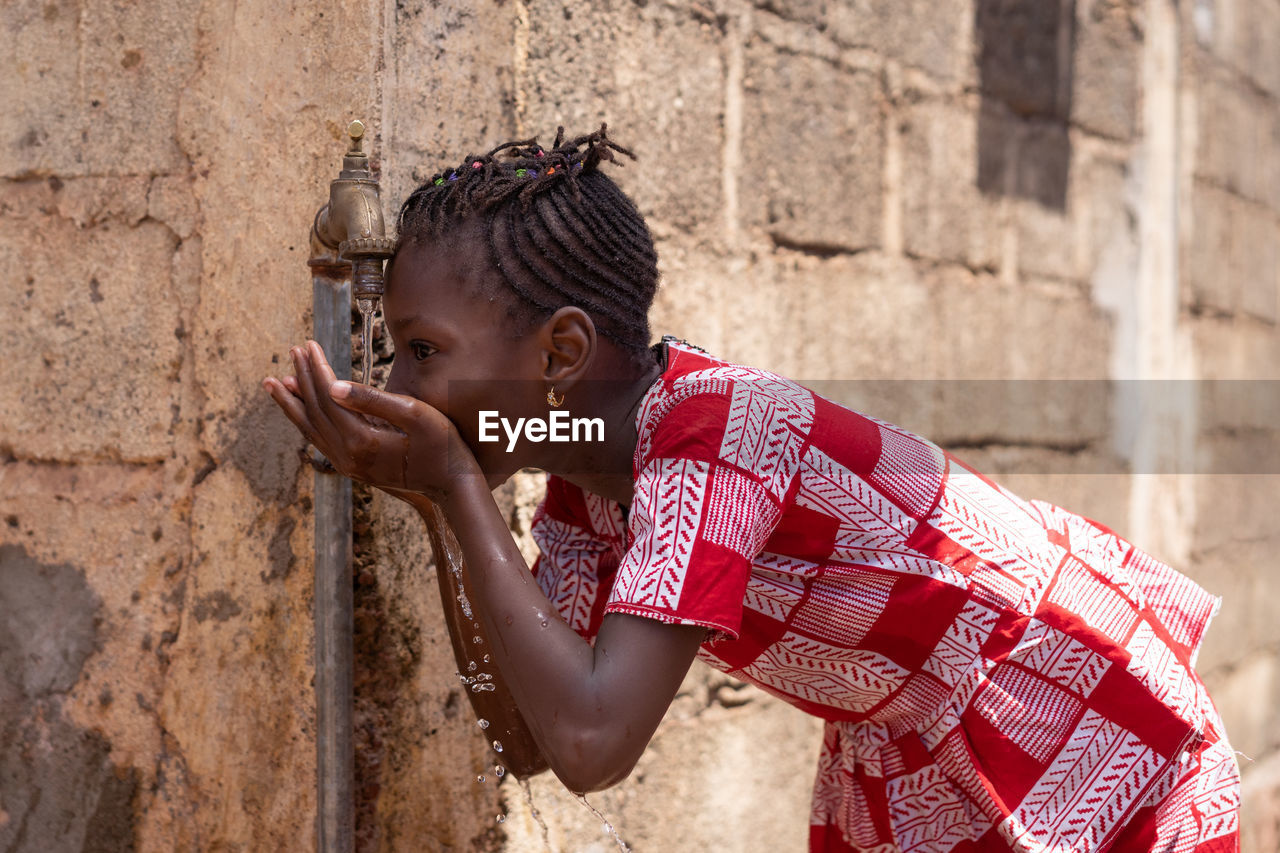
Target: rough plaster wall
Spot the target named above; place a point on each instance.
(855, 190)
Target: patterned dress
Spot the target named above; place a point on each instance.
(994, 673)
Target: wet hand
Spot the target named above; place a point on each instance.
(392, 441)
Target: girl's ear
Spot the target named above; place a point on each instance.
(568, 341)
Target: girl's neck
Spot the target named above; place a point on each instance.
(605, 467)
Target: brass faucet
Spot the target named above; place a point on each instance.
(351, 223)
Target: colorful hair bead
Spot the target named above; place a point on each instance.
(521, 172)
(533, 173)
(476, 165)
(439, 181)
(453, 176)
(551, 171)
(577, 166)
(541, 153)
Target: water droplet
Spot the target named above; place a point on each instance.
(475, 624)
(484, 724)
(502, 818)
(486, 658)
(480, 688)
(480, 778)
(485, 676)
(544, 623)
(497, 746)
(499, 770)
(477, 639)
(471, 667)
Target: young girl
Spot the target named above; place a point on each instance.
(995, 674)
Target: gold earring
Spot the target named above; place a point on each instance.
(552, 399)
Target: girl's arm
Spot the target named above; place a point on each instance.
(494, 704)
(591, 708)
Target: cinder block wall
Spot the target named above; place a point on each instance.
(866, 190)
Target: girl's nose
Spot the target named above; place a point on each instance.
(394, 383)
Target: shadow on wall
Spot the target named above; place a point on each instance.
(1024, 77)
(58, 785)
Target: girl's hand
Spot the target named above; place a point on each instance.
(394, 442)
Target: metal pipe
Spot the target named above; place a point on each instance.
(347, 236)
(335, 759)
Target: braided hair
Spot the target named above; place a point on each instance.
(560, 232)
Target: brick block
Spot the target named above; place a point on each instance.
(1248, 694)
(263, 121)
(1022, 60)
(1233, 507)
(936, 37)
(1242, 34)
(111, 109)
(90, 319)
(944, 214)
(996, 331)
(813, 164)
(700, 761)
(1227, 349)
(459, 102)
(1069, 242)
(1237, 132)
(1231, 255)
(1106, 67)
(170, 200)
(858, 302)
(246, 641)
(1022, 157)
(591, 66)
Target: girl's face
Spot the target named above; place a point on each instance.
(455, 349)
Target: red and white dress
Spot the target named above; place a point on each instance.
(995, 673)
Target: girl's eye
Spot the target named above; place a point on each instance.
(421, 351)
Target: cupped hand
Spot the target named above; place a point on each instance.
(392, 441)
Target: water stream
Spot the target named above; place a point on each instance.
(368, 308)
(622, 845)
(537, 815)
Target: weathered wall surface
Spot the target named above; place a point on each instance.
(861, 190)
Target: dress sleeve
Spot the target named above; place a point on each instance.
(712, 478)
(574, 563)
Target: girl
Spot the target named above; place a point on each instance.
(995, 674)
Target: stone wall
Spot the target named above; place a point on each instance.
(899, 191)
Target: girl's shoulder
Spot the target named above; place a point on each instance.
(690, 373)
(707, 408)
(708, 411)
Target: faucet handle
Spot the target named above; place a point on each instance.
(366, 255)
(378, 248)
(355, 130)
(355, 163)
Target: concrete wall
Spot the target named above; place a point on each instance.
(865, 190)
